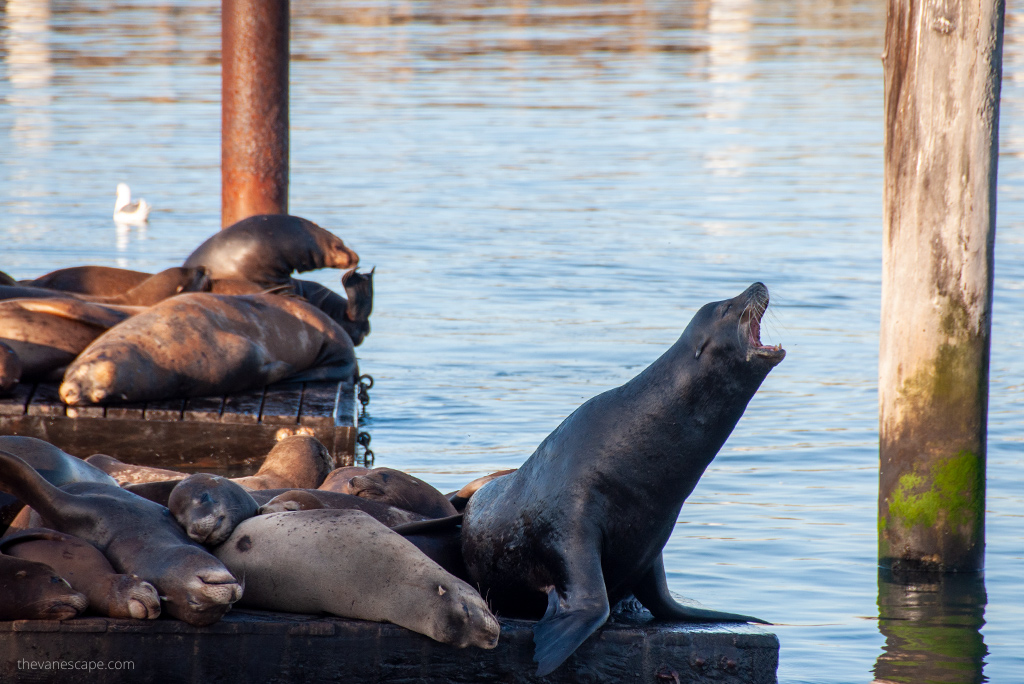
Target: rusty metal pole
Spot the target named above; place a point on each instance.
(943, 69)
(254, 108)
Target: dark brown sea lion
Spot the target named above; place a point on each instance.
(353, 566)
(337, 480)
(47, 334)
(199, 344)
(91, 280)
(137, 536)
(267, 249)
(10, 368)
(581, 525)
(6, 279)
(399, 489)
(460, 498)
(353, 313)
(57, 467)
(87, 571)
(295, 462)
(33, 591)
(209, 507)
(160, 286)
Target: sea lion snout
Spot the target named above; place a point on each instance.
(470, 622)
(218, 586)
(340, 256)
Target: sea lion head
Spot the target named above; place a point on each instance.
(131, 597)
(729, 332)
(196, 588)
(208, 507)
(335, 253)
(299, 459)
(33, 591)
(461, 616)
(401, 490)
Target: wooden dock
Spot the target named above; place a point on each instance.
(229, 435)
(259, 646)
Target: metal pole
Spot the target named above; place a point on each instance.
(943, 67)
(254, 108)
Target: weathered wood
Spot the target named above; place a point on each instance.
(318, 404)
(133, 411)
(943, 67)
(242, 408)
(281, 404)
(276, 647)
(16, 402)
(203, 409)
(171, 409)
(45, 401)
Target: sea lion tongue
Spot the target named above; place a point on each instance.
(749, 328)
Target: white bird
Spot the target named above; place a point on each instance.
(128, 212)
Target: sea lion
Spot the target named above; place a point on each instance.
(199, 344)
(33, 591)
(6, 279)
(353, 566)
(87, 571)
(460, 498)
(337, 480)
(90, 280)
(160, 286)
(137, 536)
(47, 334)
(209, 507)
(398, 489)
(351, 314)
(10, 368)
(583, 522)
(267, 249)
(295, 462)
(128, 473)
(312, 499)
(57, 467)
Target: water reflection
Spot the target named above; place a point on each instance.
(29, 71)
(932, 628)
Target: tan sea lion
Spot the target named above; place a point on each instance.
(127, 473)
(33, 591)
(295, 462)
(460, 498)
(267, 249)
(313, 499)
(353, 566)
(137, 536)
(91, 280)
(160, 286)
(47, 334)
(87, 571)
(209, 507)
(400, 489)
(337, 480)
(168, 350)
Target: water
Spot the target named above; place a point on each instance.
(549, 190)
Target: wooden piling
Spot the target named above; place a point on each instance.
(943, 66)
(254, 108)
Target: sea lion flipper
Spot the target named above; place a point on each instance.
(571, 617)
(651, 589)
(90, 313)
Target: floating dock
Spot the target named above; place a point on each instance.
(229, 435)
(271, 648)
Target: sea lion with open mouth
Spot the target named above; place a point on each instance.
(582, 524)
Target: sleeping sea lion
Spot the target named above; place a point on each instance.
(209, 507)
(137, 536)
(104, 281)
(460, 498)
(47, 334)
(267, 249)
(312, 499)
(33, 591)
(87, 571)
(198, 344)
(128, 473)
(295, 462)
(398, 489)
(581, 525)
(353, 566)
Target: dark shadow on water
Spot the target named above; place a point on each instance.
(932, 627)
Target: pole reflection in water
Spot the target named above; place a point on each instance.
(932, 627)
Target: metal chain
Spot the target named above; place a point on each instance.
(365, 385)
(363, 438)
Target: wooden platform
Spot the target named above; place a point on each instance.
(258, 646)
(229, 434)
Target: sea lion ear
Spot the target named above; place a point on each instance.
(700, 348)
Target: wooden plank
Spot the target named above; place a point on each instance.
(281, 403)
(87, 411)
(345, 412)
(318, 401)
(133, 411)
(171, 409)
(203, 409)
(46, 401)
(15, 403)
(242, 408)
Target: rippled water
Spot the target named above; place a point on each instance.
(549, 190)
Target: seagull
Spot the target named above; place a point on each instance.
(128, 212)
